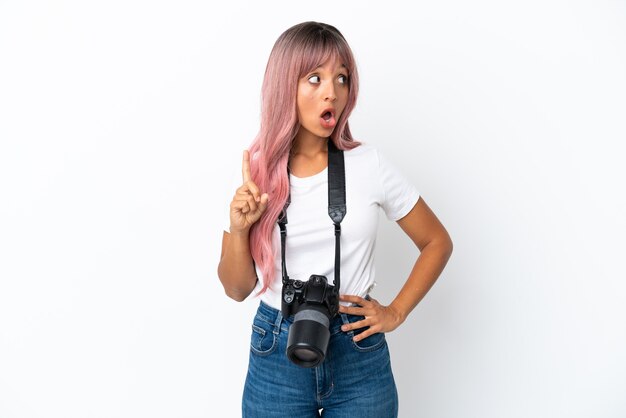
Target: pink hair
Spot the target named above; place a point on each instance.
(298, 51)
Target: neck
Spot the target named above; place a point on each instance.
(309, 145)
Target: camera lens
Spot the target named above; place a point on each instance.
(308, 336)
(304, 354)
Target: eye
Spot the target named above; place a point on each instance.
(315, 79)
(343, 79)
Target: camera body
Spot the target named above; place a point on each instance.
(315, 293)
(313, 303)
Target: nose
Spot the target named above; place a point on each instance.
(329, 94)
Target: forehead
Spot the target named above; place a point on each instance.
(333, 63)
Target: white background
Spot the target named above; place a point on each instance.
(119, 121)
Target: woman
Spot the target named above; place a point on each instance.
(309, 90)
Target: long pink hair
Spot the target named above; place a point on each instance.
(297, 52)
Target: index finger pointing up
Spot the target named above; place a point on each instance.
(245, 171)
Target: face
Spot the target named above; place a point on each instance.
(322, 96)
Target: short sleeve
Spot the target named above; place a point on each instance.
(399, 194)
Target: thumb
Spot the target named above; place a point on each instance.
(263, 203)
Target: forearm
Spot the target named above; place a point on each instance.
(429, 265)
(236, 267)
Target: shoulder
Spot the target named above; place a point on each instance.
(362, 149)
(367, 157)
(364, 153)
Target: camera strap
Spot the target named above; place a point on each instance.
(336, 208)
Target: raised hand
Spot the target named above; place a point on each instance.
(248, 203)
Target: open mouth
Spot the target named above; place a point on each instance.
(327, 119)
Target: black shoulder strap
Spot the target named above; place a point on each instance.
(336, 201)
(336, 208)
(336, 184)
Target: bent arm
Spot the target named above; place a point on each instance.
(435, 246)
(236, 268)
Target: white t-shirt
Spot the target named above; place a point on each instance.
(371, 183)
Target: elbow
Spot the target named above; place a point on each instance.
(235, 287)
(448, 247)
(443, 245)
(233, 292)
(234, 295)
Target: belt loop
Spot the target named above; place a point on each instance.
(279, 320)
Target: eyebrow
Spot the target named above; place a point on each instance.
(319, 66)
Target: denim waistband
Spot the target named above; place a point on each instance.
(275, 316)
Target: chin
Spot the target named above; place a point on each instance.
(325, 133)
(320, 131)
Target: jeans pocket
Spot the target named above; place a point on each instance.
(371, 343)
(263, 340)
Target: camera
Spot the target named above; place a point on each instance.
(314, 303)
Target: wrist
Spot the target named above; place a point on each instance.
(241, 232)
(400, 313)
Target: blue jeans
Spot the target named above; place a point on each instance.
(354, 380)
